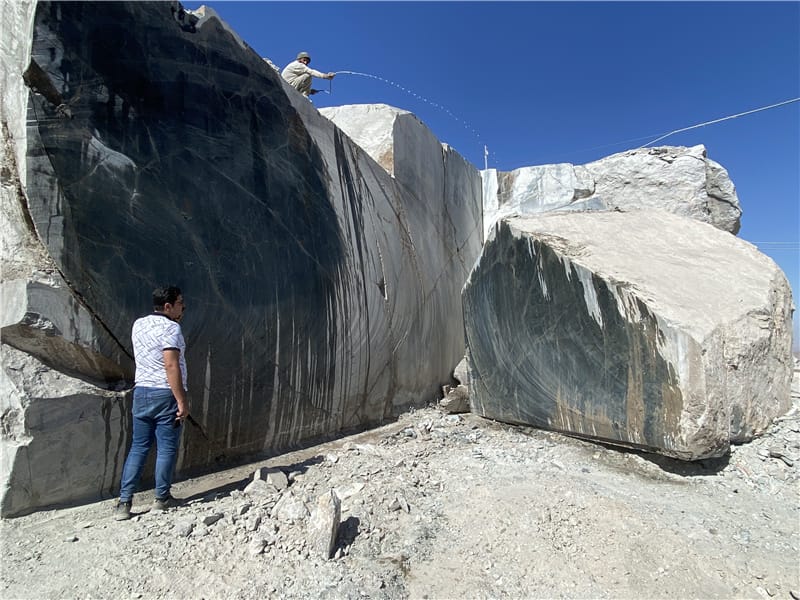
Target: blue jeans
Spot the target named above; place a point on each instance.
(154, 411)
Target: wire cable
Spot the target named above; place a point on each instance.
(749, 112)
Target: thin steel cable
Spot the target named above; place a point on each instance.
(749, 112)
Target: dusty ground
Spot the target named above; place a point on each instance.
(443, 506)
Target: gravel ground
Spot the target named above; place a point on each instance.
(442, 506)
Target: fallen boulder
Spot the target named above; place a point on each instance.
(644, 328)
(676, 179)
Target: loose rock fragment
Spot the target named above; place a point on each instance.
(209, 520)
(272, 476)
(184, 528)
(324, 524)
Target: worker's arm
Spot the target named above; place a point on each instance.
(172, 364)
(319, 74)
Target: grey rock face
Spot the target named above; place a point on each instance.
(63, 439)
(676, 179)
(141, 148)
(643, 328)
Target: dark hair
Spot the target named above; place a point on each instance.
(165, 295)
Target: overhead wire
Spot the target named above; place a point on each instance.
(748, 112)
(789, 246)
(653, 141)
(466, 125)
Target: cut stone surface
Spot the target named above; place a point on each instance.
(372, 126)
(676, 179)
(141, 146)
(643, 328)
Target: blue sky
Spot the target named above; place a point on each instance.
(571, 82)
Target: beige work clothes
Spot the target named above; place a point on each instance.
(299, 76)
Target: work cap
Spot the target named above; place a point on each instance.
(303, 55)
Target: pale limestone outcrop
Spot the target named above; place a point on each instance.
(643, 328)
(680, 180)
(315, 280)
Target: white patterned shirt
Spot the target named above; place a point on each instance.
(151, 335)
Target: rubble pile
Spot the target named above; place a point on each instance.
(440, 504)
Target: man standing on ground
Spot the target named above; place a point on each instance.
(299, 74)
(159, 398)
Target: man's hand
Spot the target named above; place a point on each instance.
(172, 366)
(312, 92)
(330, 75)
(183, 411)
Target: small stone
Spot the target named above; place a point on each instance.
(456, 400)
(331, 458)
(256, 547)
(184, 528)
(211, 518)
(289, 509)
(243, 508)
(253, 523)
(86, 524)
(274, 477)
(346, 492)
(776, 452)
(259, 487)
(71, 538)
(794, 594)
(403, 504)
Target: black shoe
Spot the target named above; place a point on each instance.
(122, 511)
(165, 503)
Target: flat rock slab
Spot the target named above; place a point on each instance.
(644, 328)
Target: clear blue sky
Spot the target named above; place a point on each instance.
(571, 82)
